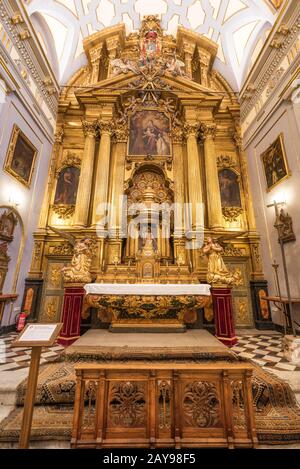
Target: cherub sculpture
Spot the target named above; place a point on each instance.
(79, 271)
(119, 66)
(217, 272)
(176, 67)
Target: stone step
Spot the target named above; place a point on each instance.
(9, 381)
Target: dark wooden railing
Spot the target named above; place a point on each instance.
(164, 405)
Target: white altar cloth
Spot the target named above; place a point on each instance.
(147, 289)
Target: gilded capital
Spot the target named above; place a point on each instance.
(105, 127)
(208, 131)
(191, 129)
(121, 133)
(90, 128)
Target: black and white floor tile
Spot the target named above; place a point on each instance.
(12, 359)
(265, 350)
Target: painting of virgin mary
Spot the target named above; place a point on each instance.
(149, 134)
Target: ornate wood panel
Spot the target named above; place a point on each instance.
(53, 292)
(163, 405)
(241, 295)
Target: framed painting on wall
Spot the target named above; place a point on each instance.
(149, 134)
(275, 163)
(20, 157)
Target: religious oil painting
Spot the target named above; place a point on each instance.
(275, 163)
(229, 188)
(149, 134)
(67, 186)
(20, 157)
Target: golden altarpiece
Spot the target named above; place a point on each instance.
(148, 121)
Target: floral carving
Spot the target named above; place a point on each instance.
(225, 161)
(231, 213)
(63, 211)
(201, 404)
(71, 160)
(127, 404)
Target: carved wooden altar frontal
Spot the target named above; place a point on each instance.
(163, 405)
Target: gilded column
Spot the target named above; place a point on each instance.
(102, 174)
(215, 217)
(117, 178)
(194, 178)
(86, 174)
(56, 156)
(237, 137)
(178, 183)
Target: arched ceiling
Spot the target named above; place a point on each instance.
(238, 26)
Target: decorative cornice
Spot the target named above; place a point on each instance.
(19, 37)
(278, 54)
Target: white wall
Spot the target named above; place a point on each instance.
(29, 200)
(286, 120)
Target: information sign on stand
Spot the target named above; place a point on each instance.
(35, 336)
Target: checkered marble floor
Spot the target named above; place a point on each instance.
(12, 359)
(263, 349)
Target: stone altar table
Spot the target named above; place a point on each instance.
(159, 307)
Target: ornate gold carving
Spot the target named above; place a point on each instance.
(79, 269)
(256, 254)
(50, 309)
(242, 311)
(90, 128)
(55, 276)
(232, 251)
(232, 213)
(208, 131)
(127, 404)
(70, 160)
(124, 307)
(64, 249)
(217, 272)
(59, 135)
(37, 251)
(191, 129)
(105, 127)
(201, 405)
(225, 161)
(63, 211)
